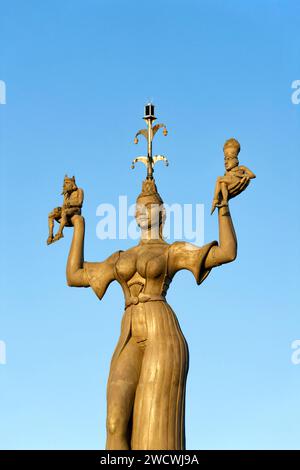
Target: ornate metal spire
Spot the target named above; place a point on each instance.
(149, 133)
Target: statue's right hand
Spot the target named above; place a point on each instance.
(238, 187)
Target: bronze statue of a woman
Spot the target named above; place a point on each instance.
(148, 371)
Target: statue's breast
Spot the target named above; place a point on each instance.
(126, 265)
(148, 263)
(151, 265)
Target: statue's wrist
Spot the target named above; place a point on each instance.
(224, 210)
(77, 220)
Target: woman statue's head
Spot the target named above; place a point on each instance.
(150, 212)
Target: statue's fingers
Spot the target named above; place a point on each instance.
(245, 184)
(238, 188)
(234, 191)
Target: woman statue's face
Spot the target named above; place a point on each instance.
(148, 215)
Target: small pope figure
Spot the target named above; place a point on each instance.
(234, 173)
(73, 200)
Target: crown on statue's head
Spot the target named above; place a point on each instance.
(232, 142)
(149, 193)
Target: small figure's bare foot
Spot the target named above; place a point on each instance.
(49, 240)
(214, 205)
(57, 237)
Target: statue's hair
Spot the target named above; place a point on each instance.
(162, 219)
(232, 143)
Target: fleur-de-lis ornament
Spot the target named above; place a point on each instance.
(149, 133)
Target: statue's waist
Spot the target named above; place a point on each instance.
(142, 298)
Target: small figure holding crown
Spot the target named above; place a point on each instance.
(235, 173)
(73, 200)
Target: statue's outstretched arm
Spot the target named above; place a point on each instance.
(226, 251)
(76, 275)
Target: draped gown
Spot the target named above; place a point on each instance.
(145, 273)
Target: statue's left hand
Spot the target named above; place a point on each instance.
(76, 221)
(239, 187)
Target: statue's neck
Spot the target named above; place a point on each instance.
(151, 235)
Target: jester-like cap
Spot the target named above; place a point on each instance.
(68, 178)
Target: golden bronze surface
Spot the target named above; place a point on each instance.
(73, 200)
(234, 173)
(148, 370)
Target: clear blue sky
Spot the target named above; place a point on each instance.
(78, 74)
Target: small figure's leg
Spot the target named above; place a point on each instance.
(54, 215)
(51, 226)
(62, 224)
(216, 195)
(60, 229)
(224, 192)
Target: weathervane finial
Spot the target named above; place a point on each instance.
(149, 133)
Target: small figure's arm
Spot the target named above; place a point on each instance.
(79, 198)
(76, 199)
(248, 172)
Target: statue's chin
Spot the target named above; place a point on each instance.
(144, 225)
